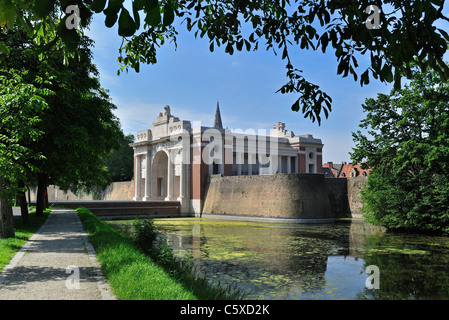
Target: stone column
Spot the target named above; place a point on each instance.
(198, 172)
(228, 150)
(289, 164)
(137, 179)
(147, 196)
(170, 176)
(279, 164)
(182, 178)
(238, 159)
(250, 164)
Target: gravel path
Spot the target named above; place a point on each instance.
(57, 263)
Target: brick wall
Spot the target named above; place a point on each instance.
(299, 196)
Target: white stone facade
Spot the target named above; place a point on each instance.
(172, 160)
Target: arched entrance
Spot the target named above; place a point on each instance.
(159, 173)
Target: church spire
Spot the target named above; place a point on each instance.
(217, 122)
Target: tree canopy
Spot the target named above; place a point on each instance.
(407, 145)
(120, 162)
(20, 103)
(79, 128)
(57, 122)
(397, 32)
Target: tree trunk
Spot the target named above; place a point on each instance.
(23, 203)
(41, 191)
(6, 216)
(29, 197)
(46, 198)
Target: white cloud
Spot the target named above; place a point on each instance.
(134, 115)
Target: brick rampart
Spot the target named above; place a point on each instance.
(296, 196)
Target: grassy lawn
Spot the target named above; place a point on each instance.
(133, 275)
(10, 246)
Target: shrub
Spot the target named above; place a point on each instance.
(145, 234)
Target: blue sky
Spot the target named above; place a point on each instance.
(191, 80)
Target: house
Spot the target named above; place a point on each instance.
(331, 170)
(349, 170)
(344, 170)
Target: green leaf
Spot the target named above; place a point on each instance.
(43, 8)
(153, 17)
(136, 17)
(248, 45)
(364, 78)
(139, 4)
(239, 45)
(70, 37)
(169, 14)
(4, 48)
(444, 34)
(295, 106)
(98, 5)
(387, 74)
(110, 20)
(151, 4)
(114, 6)
(111, 12)
(8, 14)
(229, 49)
(126, 25)
(284, 53)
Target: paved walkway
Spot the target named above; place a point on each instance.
(57, 263)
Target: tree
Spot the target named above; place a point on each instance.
(20, 103)
(120, 162)
(407, 145)
(397, 32)
(78, 128)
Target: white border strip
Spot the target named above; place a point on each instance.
(103, 286)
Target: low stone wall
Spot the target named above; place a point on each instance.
(295, 196)
(119, 191)
(345, 195)
(355, 186)
(116, 191)
(337, 190)
(299, 196)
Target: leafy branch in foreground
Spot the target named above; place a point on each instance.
(406, 31)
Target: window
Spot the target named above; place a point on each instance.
(215, 168)
(311, 168)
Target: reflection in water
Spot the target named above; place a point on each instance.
(294, 261)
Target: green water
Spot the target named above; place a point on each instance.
(326, 261)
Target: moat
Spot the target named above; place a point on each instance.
(321, 261)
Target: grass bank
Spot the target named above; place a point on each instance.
(23, 232)
(133, 275)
